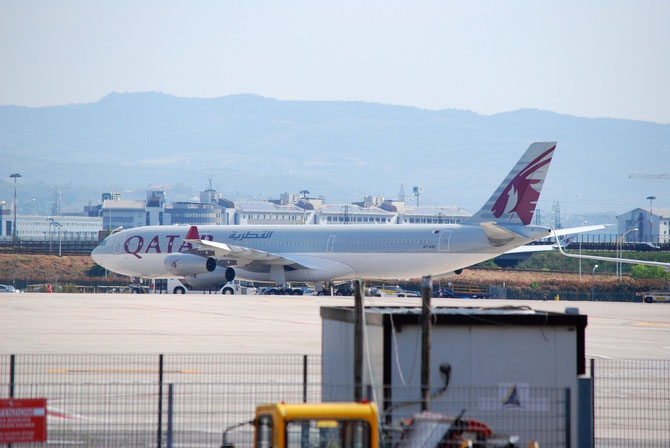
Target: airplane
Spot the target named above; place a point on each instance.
(322, 254)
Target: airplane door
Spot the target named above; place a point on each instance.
(443, 245)
(331, 243)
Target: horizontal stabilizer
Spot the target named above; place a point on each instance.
(498, 236)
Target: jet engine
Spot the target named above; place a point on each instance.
(188, 264)
(210, 280)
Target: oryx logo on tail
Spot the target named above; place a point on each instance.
(519, 196)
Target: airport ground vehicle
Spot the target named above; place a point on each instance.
(345, 289)
(283, 425)
(175, 286)
(656, 296)
(465, 291)
(281, 291)
(350, 424)
(392, 290)
(437, 430)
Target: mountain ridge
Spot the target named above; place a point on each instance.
(259, 146)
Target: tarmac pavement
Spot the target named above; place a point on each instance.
(195, 323)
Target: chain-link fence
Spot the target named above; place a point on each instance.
(189, 400)
(631, 402)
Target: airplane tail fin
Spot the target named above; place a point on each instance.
(514, 201)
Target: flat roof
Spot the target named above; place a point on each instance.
(504, 315)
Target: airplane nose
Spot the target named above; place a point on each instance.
(95, 254)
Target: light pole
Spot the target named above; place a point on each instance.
(580, 253)
(15, 176)
(592, 275)
(304, 194)
(651, 219)
(53, 222)
(619, 242)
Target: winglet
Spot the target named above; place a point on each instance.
(192, 234)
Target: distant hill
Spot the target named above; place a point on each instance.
(256, 146)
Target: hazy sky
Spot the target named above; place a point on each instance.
(599, 58)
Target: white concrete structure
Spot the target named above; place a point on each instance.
(655, 230)
(511, 360)
(270, 213)
(432, 215)
(46, 228)
(353, 214)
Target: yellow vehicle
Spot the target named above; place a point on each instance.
(280, 425)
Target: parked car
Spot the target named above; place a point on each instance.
(8, 288)
(646, 246)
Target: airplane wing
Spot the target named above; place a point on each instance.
(243, 255)
(528, 248)
(582, 229)
(615, 259)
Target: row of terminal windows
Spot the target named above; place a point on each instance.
(357, 219)
(432, 220)
(271, 216)
(196, 215)
(63, 223)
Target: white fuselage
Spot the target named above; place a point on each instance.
(321, 253)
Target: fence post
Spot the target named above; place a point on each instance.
(593, 401)
(358, 341)
(170, 409)
(426, 329)
(304, 378)
(568, 419)
(585, 413)
(12, 372)
(160, 402)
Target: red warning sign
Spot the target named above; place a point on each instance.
(23, 420)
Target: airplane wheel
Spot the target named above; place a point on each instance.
(179, 290)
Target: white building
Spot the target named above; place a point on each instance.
(654, 230)
(271, 213)
(353, 214)
(289, 209)
(123, 213)
(425, 214)
(47, 228)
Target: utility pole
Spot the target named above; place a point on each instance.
(651, 219)
(15, 176)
